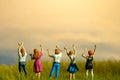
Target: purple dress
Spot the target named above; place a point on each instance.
(38, 64)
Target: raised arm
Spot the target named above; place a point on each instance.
(41, 48)
(94, 48)
(58, 48)
(83, 54)
(20, 46)
(66, 51)
(31, 56)
(73, 46)
(49, 53)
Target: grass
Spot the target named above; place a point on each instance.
(103, 70)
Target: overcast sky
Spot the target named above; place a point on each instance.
(62, 22)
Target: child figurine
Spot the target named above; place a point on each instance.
(37, 63)
(89, 59)
(22, 58)
(72, 67)
(56, 63)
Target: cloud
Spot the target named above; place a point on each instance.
(61, 22)
(8, 56)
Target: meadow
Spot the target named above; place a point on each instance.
(103, 70)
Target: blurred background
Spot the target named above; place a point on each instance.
(62, 22)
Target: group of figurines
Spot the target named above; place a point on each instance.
(72, 68)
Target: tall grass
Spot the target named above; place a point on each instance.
(103, 70)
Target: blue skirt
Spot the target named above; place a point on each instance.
(72, 68)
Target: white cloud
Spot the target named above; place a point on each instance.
(63, 22)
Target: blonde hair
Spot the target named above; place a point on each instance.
(71, 52)
(36, 53)
(22, 51)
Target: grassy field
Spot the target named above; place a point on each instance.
(104, 70)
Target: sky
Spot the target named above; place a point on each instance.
(60, 22)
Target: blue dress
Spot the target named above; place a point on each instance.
(72, 66)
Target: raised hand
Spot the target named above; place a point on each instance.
(48, 50)
(65, 48)
(30, 54)
(83, 54)
(20, 43)
(40, 45)
(84, 51)
(56, 46)
(94, 47)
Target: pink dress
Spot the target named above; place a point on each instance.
(38, 64)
